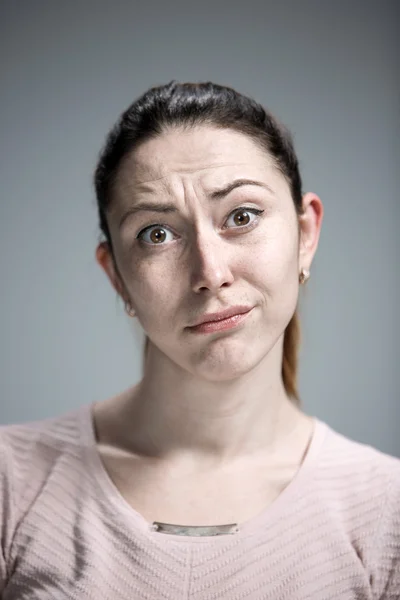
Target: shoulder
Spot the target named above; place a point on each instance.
(359, 462)
(356, 481)
(42, 440)
(362, 485)
(34, 456)
(355, 475)
(29, 452)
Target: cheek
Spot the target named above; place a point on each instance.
(277, 257)
(154, 289)
(275, 274)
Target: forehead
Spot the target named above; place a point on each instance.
(204, 153)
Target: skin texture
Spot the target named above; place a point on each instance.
(210, 401)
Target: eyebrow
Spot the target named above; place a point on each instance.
(171, 208)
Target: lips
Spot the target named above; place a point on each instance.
(224, 314)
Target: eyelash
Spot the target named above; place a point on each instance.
(255, 211)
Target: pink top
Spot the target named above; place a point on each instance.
(66, 531)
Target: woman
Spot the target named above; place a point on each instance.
(206, 480)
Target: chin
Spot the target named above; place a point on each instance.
(223, 364)
(225, 375)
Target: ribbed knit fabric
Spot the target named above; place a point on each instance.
(67, 533)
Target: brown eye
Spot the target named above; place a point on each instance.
(241, 216)
(240, 219)
(157, 236)
(154, 235)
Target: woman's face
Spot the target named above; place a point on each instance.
(209, 251)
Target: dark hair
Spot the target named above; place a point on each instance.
(187, 105)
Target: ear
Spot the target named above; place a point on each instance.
(105, 259)
(310, 222)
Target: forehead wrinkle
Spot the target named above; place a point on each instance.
(164, 178)
(193, 170)
(173, 150)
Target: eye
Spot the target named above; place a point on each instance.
(157, 233)
(241, 216)
(157, 236)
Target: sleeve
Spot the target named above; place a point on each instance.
(6, 509)
(15, 455)
(387, 543)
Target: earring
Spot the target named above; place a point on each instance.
(129, 310)
(304, 276)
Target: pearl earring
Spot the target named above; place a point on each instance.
(304, 276)
(129, 310)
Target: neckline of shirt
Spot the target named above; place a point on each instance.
(132, 519)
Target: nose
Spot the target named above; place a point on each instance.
(210, 260)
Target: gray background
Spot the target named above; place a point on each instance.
(329, 70)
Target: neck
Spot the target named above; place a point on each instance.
(213, 422)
